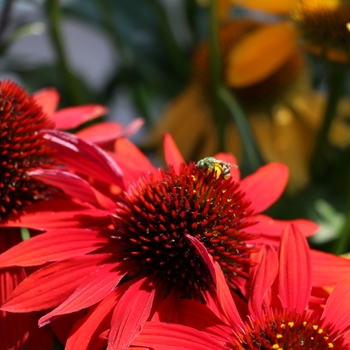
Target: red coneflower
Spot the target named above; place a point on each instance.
(163, 230)
(23, 149)
(280, 314)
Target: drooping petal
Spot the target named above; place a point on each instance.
(54, 245)
(84, 157)
(93, 289)
(265, 186)
(337, 310)
(263, 275)
(229, 158)
(130, 314)
(72, 117)
(295, 274)
(225, 300)
(104, 134)
(172, 154)
(74, 186)
(204, 254)
(270, 229)
(328, 269)
(58, 213)
(166, 336)
(48, 100)
(52, 284)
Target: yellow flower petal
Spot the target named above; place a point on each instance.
(272, 6)
(260, 54)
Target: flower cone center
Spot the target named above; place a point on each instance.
(160, 211)
(288, 330)
(22, 148)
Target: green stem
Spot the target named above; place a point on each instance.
(70, 80)
(336, 82)
(127, 59)
(174, 51)
(342, 243)
(216, 73)
(251, 154)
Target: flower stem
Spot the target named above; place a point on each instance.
(216, 73)
(335, 82)
(71, 83)
(251, 153)
(5, 16)
(106, 11)
(341, 245)
(174, 51)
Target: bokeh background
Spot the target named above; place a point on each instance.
(265, 80)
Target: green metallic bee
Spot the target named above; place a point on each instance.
(218, 166)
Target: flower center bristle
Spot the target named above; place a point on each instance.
(159, 211)
(288, 330)
(22, 148)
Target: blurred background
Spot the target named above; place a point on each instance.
(265, 80)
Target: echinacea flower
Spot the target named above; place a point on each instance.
(163, 229)
(280, 316)
(23, 149)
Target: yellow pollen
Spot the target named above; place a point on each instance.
(348, 26)
(320, 331)
(315, 327)
(228, 200)
(275, 346)
(330, 345)
(223, 191)
(283, 326)
(279, 336)
(193, 177)
(325, 337)
(194, 191)
(291, 324)
(304, 323)
(218, 170)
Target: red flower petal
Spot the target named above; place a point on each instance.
(104, 134)
(295, 277)
(52, 284)
(92, 289)
(229, 158)
(337, 310)
(204, 254)
(225, 300)
(263, 274)
(73, 186)
(131, 160)
(13, 328)
(84, 157)
(86, 334)
(48, 100)
(54, 245)
(265, 186)
(270, 229)
(72, 117)
(130, 314)
(174, 337)
(58, 214)
(328, 269)
(172, 154)
(39, 338)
